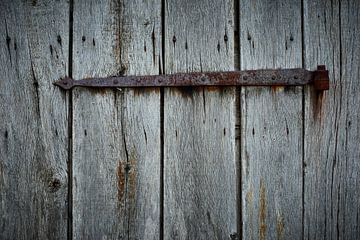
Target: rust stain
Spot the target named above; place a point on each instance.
(275, 89)
(221, 89)
(146, 90)
(114, 26)
(262, 213)
(120, 172)
(86, 76)
(250, 206)
(212, 88)
(290, 89)
(190, 91)
(280, 226)
(132, 177)
(99, 91)
(318, 103)
(127, 178)
(186, 92)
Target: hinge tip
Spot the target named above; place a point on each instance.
(64, 83)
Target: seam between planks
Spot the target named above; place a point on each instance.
(70, 126)
(237, 64)
(340, 104)
(162, 71)
(303, 53)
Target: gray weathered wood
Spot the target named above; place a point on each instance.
(33, 120)
(322, 111)
(332, 136)
(271, 123)
(116, 156)
(199, 124)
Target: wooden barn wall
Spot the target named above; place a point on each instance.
(190, 163)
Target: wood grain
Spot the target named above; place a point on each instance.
(199, 124)
(322, 38)
(271, 123)
(116, 157)
(349, 227)
(331, 204)
(33, 125)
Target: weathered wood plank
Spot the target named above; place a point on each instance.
(33, 125)
(322, 112)
(116, 158)
(271, 123)
(332, 136)
(199, 124)
(349, 227)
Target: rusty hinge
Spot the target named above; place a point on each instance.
(265, 77)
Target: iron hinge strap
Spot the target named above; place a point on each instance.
(264, 77)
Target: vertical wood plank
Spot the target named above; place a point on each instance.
(199, 124)
(271, 122)
(116, 158)
(331, 200)
(33, 125)
(349, 227)
(322, 112)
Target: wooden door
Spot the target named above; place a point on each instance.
(178, 163)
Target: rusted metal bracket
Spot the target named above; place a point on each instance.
(265, 77)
